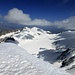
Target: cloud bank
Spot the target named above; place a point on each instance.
(19, 17)
(67, 23)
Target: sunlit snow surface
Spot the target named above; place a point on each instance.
(16, 61)
(35, 39)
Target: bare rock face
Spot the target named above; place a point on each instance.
(67, 62)
(66, 57)
(9, 39)
(65, 54)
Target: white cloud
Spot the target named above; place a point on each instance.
(40, 22)
(17, 16)
(67, 23)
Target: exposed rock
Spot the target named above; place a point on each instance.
(9, 39)
(66, 62)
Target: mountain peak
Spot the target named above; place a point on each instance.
(30, 33)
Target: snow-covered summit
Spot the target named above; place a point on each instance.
(30, 33)
(34, 39)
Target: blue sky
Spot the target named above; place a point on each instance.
(50, 10)
(60, 13)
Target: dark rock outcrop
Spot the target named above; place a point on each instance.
(9, 39)
(66, 62)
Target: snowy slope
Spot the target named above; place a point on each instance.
(35, 40)
(38, 42)
(16, 61)
(49, 46)
(67, 52)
